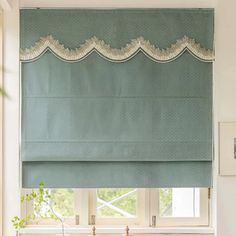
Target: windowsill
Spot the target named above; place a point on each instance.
(117, 230)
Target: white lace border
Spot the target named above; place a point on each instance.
(116, 54)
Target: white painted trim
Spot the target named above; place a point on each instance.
(118, 230)
(11, 164)
(1, 123)
(5, 4)
(82, 205)
(118, 4)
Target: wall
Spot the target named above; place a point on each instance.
(120, 3)
(225, 97)
(225, 82)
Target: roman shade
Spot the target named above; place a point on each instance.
(108, 117)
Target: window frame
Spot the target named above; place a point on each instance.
(142, 211)
(202, 220)
(147, 207)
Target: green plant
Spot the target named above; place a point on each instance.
(38, 198)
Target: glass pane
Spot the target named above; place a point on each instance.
(62, 202)
(117, 202)
(179, 202)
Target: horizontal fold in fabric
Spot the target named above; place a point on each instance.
(117, 175)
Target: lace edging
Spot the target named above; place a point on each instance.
(115, 54)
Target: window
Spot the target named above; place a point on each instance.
(118, 206)
(180, 206)
(84, 123)
(128, 206)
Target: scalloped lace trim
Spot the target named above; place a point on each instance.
(115, 54)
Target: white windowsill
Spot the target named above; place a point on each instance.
(117, 230)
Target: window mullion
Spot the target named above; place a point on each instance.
(92, 210)
(153, 205)
(144, 206)
(82, 205)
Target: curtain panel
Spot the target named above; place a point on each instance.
(121, 109)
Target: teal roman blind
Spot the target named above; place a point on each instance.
(111, 118)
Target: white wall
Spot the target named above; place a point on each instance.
(119, 3)
(225, 95)
(225, 81)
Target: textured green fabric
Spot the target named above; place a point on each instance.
(148, 120)
(117, 27)
(114, 112)
(118, 174)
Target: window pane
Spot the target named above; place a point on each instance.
(62, 202)
(117, 202)
(179, 202)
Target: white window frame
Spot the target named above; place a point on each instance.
(142, 211)
(147, 207)
(202, 220)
